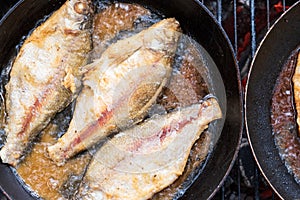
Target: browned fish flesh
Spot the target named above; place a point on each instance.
(296, 85)
(141, 161)
(120, 88)
(46, 75)
(109, 22)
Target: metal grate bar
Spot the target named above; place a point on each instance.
(253, 32)
(238, 178)
(235, 27)
(253, 49)
(256, 183)
(223, 193)
(283, 4)
(219, 11)
(268, 14)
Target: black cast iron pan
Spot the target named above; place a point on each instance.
(196, 22)
(273, 52)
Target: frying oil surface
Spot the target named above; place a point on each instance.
(44, 176)
(191, 82)
(283, 118)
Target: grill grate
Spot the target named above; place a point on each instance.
(245, 27)
(244, 182)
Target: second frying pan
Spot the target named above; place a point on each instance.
(281, 40)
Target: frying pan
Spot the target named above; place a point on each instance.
(273, 52)
(197, 22)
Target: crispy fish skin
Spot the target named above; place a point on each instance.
(296, 85)
(120, 88)
(45, 76)
(141, 161)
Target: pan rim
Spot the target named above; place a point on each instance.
(10, 11)
(228, 42)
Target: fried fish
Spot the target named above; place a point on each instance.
(141, 161)
(46, 75)
(120, 87)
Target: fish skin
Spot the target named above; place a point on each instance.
(45, 75)
(141, 161)
(119, 88)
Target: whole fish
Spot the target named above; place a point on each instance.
(120, 88)
(141, 161)
(46, 75)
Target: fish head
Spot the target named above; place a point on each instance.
(163, 36)
(80, 13)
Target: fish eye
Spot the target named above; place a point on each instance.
(81, 8)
